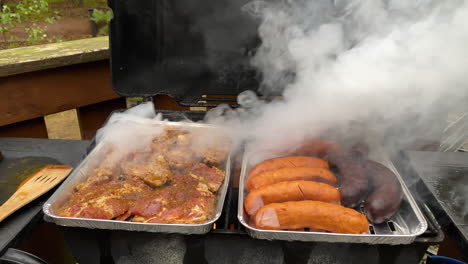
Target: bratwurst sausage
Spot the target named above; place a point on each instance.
(290, 191)
(290, 174)
(353, 181)
(287, 162)
(385, 199)
(311, 214)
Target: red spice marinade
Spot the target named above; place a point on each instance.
(173, 183)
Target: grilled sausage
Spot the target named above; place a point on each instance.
(290, 191)
(318, 148)
(287, 162)
(385, 199)
(291, 174)
(311, 214)
(353, 181)
(359, 152)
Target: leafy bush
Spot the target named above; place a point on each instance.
(102, 18)
(26, 10)
(32, 9)
(35, 33)
(7, 20)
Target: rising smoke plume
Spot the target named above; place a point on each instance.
(357, 68)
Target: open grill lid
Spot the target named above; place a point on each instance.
(185, 49)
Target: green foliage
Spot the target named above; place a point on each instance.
(26, 10)
(32, 9)
(7, 20)
(13, 43)
(35, 33)
(55, 39)
(95, 3)
(50, 20)
(102, 17)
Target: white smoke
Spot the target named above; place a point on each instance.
(394, 67)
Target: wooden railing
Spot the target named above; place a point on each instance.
(38, 81)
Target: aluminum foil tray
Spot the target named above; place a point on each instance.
(79, 175)
(402, 228)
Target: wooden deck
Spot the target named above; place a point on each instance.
(39, 81)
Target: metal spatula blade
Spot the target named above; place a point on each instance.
(35, 186)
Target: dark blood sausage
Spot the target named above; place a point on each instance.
(360, 151)
(353, 181)
(385, 199)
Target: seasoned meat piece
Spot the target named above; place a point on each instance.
(184, 179)
(212, 155)
(161, 143)
(183, 206)
(105, 201)
(213, 177)
(179, 158)
(183, 139)
(195, 211)
(185, 201)
(211, 147)
(100, 176)
(168, 139)
(103, 208)
(152, 169)
(148, 205)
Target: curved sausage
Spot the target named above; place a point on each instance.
(311, 214)
(290, 191)
(360, 152)
(353, 181)
(385, 199)
(290, 174)
(287, 162)
(319, 148)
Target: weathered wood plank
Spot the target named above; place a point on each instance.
(40, 93)
(40, 57)
(34, 128)
(92, 117)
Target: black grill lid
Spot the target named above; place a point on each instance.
(182, 48)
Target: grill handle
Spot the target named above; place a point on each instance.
(16, 256)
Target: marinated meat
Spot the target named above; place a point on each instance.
(105, 172)
(212, 149)
(105, 201)
(152, 169)
(187, 201)
(169, 184)
(212, 177)
(100, 176)
(212, 155)
(169, 138)
(179, 158)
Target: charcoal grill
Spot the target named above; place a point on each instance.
(229, 238)
(199, 53)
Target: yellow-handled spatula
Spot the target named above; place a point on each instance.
(33, 187)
